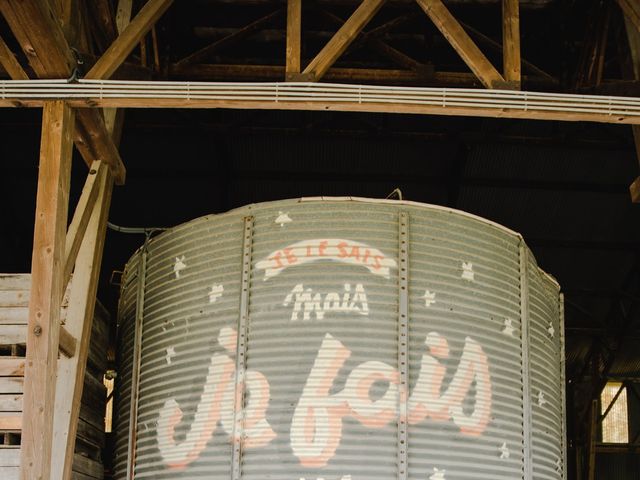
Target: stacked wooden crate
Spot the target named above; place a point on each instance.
(14, 307)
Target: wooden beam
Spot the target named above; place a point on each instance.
(11, 367)
(11, 421)
(79, 322)
(230, 39)
(81, 216)
(634, 188)
(94, 143)
(113, 117)
(34, 26)
(633, 37)
(294, 32)
(46, 290)
(123, 14)
(342, 39)
(101, 13)
(381, 76)
(511, 41)
(67, 344)
(631, 9)
(50, 56)
(83, 291)
(10, 63)
(128, 39)
(462, 43)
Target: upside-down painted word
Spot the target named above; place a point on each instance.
(337, 249)
(316, 426)
(305, 301)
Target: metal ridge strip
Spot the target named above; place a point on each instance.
(403, 342)
(241, 351)
(526, 375)
(137, 358)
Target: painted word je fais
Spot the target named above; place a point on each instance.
(316, 426)
(305, 301)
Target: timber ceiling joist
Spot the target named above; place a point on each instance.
(42, 39)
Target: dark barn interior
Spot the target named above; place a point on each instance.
(564, 185)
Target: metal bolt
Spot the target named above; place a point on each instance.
(37, 330)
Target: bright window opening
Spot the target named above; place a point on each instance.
(108, 417)
(615, 426)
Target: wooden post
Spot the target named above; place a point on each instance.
(511, 41)
(82, 301)
(43, 328)
(294, 29)
(113, 117)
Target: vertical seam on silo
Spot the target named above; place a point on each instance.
(241, 349)
(526, 374)
(137, 358)
(563, 389)
(403, 341)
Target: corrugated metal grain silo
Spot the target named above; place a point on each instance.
(339, 338)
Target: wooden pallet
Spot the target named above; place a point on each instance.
(90, 439)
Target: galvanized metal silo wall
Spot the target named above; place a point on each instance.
(363, 340)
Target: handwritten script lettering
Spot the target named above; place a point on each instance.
(308, 303)
(316, 426)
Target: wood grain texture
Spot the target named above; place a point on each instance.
(34, 26)
(294, 33)
(10, 63)
(81, 216)
(342, 39)
(43, 42)
(128, 39)
(631, 9)
(46, 289)
(511, 41)
(79, 322)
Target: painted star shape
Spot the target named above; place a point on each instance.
(171, 352)
(467, 271)
(504, 451)
(429, 298)
(215, 293)
(508, 327)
